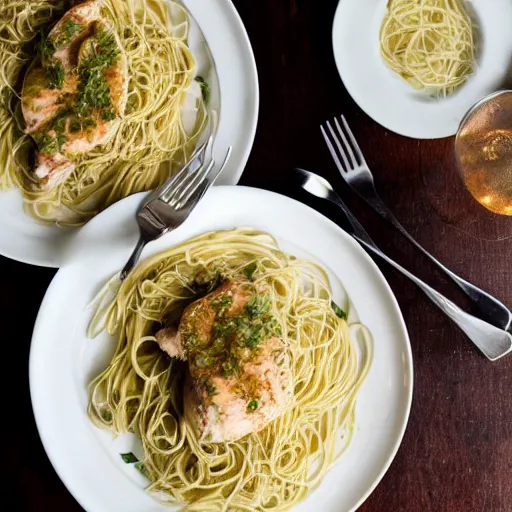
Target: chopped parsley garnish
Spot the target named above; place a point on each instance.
(106, 416)
(222, 303)
(139, 466)
(205, 282)
(129, 458)
(205, 88)
(53, 68)
(61, 140)
(107, 51)
(250, 269)
(93, 89)
(55, 75)
(59, 122)
(230, 367)
(108, 115)
(253, 405)
(254, 335)
(258, 306)
(339, 312)
(76, 124)
(202, 360)
(89, 123)
(69, 29)
(46, 48)
(212, 390)
(46, 144)
(191, 340)
(75, 127)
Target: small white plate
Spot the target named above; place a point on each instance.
(63, 360)
(224, 56)
(391, 101)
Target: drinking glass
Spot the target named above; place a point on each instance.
(483, 147)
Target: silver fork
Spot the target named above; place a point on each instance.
(356, 173)
(170, 205)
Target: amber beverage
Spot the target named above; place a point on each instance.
(484, 152)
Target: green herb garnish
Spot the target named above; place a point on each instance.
(205, 88)
(129, 458)
(55, 75)
(250, 269)
(46, 49)
(69, 29)
(59, 122)
(106, 416)
(254, 336)
(258, 306)
(107, 51)
(61, 140)
(75, 127)
(139, 466)
(108, 115)
(89, 123)
(339, 312)
(93, 89)
(47, 144)
(253, 405)
(202, 360)
(53, 68)
(191, 340)
(230, 367)
(222, 303)
(212, 390)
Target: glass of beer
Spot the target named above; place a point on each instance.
(483, 147)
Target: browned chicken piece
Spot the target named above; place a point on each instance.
(73, 98)
(239, 372)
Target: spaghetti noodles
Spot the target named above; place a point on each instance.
(151, 141)
(429, 43)
(141, 391)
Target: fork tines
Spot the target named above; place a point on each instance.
(181, 187)
(347, 148)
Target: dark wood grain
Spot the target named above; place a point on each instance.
(457, 451)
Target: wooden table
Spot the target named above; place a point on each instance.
(457, 451)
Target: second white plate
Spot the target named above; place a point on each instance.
(217, 33)
(391, 101)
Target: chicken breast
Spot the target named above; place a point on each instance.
(74, 96)
(239, 371)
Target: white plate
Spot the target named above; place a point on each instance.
(391, 101)
(63, 361)
(233, 77)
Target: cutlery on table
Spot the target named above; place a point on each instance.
(492, 341)
(169, 206)
(355, 171)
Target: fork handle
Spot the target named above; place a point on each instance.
(491, 341)
(134, 258)
(490, 308)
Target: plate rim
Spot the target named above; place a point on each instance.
(398, 317)
(252, 102)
